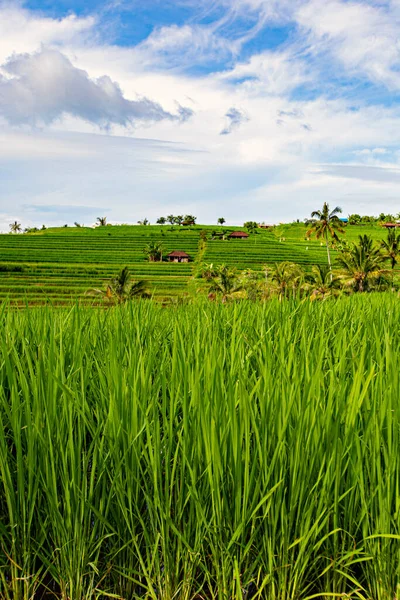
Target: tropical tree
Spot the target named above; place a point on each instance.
(207, 271)
(221, 221)
(286, 276)
(189, 220)
(144, 222)
(154, 251)
(391, 246)
(77, 224)
(171, 219)
(178, 219)
(321, 282)
(101, 221)
(121, 288)
(15, 227)
(325, 224)
(251, 226)
(161, 221)
(362, 264)
(226, 283)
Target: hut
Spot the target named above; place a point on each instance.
(391, 225)
(178, 256)
(238, 235)
(264, 226)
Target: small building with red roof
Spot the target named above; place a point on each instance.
(238, 235)
(178, 256)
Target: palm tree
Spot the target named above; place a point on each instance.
(178, 220)
(121, 288)
(225, 283)
(325, 224)
(221, 221)
(171, 219)
(285, 275)
(15, 227)
(154, 251)
(144, 222)
(391, 246)
(321, 283)
(102, 221)
(362, 264)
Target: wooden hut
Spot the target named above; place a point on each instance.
(178, 256)
(238, 235)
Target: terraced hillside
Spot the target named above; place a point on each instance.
(60, 265)
(63, 264)
(264, 247)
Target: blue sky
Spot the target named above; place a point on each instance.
(246, 109)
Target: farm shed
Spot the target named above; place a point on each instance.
(264, 226)
(178, 256)
(391, 225)
(238, 235)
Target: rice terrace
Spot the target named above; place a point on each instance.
(226, 427)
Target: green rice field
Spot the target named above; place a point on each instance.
(201, 451)
(59, 266)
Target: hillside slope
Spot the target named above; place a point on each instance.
(62, 264)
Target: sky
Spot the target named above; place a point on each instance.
(243, 109)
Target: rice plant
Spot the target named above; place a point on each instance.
(201, 451)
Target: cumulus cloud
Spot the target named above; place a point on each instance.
(235, 118)
(40, 88)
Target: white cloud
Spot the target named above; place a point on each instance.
(362, 38)
(40, 88)
(24, 31)
(270, 169)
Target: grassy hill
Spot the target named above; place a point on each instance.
(61, 264)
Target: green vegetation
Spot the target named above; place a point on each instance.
(61, 265)
(203, 451)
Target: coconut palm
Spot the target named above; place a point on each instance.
(325, 224)
(154, 251)
(102, 221)
(15, 227)
(321, 282)
(391, 246)
(226, 283)
(362, 264)
(121, 288)
(285, 276)
(221, 221)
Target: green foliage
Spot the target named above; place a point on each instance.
(391, 246)
(154, 251)
(325, 224)
(121, 288)
(362, 265)
(209, 451)
(251, 226)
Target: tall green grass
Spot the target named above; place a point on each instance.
(202, 451)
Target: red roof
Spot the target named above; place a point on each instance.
(391, 224)
(179, 253)
(239, 234)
